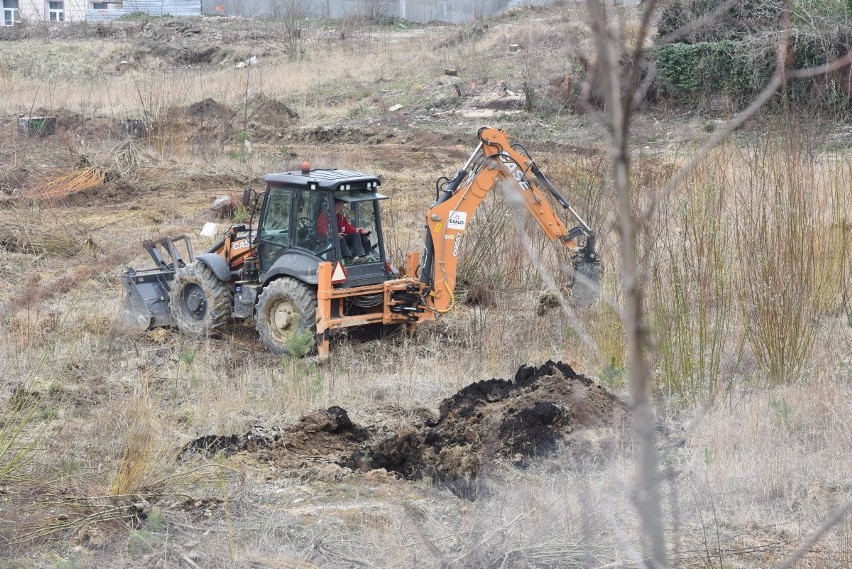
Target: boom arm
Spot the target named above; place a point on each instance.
(493, 162)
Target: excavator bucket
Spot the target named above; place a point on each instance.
(587, 280)
(147, 303)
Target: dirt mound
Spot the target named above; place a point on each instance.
(538, 411)
(204, 124)
(270, 111)
(270, 119)
(209, 108)
(201, 54)
(346, 135)
(518, 419)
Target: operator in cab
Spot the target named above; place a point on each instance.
(354, 241)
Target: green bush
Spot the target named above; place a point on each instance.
(741, 20)
(710, 67)
(741, 70)
(734, 52)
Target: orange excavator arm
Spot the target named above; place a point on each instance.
(496, 163)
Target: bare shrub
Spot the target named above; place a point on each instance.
(291, 14)
(42, 231)
(791, 257)
(692, 274)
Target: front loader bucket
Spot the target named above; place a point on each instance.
(147, 302)
(587, 280)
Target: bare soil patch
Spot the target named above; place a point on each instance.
(531, 416)
(539, 411)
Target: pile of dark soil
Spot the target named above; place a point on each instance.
(346, 135)
(531, 416)
(541, 410)
(322, 436)
(209, 108)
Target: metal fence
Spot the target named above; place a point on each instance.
(421, 11)
(111, 11)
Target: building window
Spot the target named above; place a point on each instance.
(56, 11)
(10, 12)
(100, 5)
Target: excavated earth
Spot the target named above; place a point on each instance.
(541, 410)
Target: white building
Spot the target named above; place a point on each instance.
(15, 11)
(414, 10)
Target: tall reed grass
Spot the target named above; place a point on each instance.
(751, 256)
(690, 282)
(793, 247)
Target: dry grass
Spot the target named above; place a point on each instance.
(767, 463)
(759, 230)
(65, 185)
(338, 76)
(221, 386)
(324, 74)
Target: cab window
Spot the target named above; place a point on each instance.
(274, 232)
(309, 207)
(362, 214)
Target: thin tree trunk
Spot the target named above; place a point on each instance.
(619, 101)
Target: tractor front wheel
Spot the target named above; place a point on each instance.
(287, 316)
(199, 301)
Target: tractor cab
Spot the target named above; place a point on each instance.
(298, 227)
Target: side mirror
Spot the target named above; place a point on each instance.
(246, 201)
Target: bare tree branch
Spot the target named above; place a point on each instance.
(835, 518)
(636, 60)
(642, 90)
(698, 23)
(591, 70)
(835, 65)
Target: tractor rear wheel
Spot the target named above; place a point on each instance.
(287, 316)
(199, 301)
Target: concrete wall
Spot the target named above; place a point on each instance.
(421, 11)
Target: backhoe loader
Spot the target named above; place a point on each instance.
(297, 285)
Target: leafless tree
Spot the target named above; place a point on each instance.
(291, 14)
(374, 10)
(624, 75)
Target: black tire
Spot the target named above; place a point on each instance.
(199, 301)
(286, 310)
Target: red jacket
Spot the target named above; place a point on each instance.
(343, 225)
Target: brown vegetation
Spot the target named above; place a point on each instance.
(745, 266)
